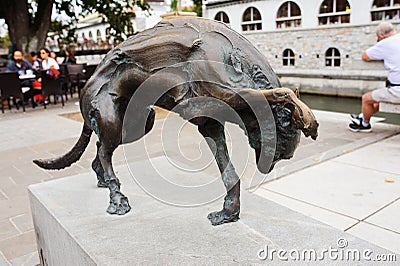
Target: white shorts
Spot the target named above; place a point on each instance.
(388, 94)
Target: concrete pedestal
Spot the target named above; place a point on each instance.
(73, 228)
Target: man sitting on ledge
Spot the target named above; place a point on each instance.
(387, 49)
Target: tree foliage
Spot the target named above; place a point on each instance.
(197, 7)
(5, 41)
(29, 21)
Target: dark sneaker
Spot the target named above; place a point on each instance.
(359, 128)
(356, 119)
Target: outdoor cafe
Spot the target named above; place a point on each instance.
(31, 88)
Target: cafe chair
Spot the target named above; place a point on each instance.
(76, 76)
(65, 83)
(51, 86)
(10, 88)
(89, 70)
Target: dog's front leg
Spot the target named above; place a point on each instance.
(214, 134)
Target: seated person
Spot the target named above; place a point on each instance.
(387, 49)
(36, 62)
(47, 61)
(18, 64)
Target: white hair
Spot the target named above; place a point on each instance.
(384, 28)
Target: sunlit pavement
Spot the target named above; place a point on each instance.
(347, 180)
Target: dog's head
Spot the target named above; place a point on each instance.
(275, 139)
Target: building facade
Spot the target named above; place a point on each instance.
(314, 45)
(93, 33)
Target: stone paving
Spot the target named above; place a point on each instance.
(347, 180)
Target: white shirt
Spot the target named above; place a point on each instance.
(388, 50)
(50, 63)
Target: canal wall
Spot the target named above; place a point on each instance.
(310, 72)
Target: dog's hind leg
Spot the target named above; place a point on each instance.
(214, 134)
(98, 168)
(118, 202)
(108, 129)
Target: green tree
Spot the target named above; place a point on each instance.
(4, 41)
(197, 7)
(29, 21)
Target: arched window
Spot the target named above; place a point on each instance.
(334, 12)
(251, 19)
(90, 35)
(289, 15)
(288, 57)
(222, 16)
(385, 10)
(332, 57)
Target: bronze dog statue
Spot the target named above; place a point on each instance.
(175, 44)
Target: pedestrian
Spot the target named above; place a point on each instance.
(387, 49)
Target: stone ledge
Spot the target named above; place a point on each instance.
(389, 107)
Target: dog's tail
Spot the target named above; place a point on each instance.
(70, 157)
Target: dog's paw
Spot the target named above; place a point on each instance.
(119, 204)
(220, 217)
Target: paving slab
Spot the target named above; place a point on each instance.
(387, 218)
(30, 259)
(158, 233)
(7, 229)
(326, 216)
(380, 236)
(22, 222)
(29, 129)
(385, 159)
(3, 260)
(353, 191)
(18, 246)
(11, 208)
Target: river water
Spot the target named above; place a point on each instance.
(343, 105)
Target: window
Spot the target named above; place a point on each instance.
(332, 57)
(288, 57)
(251, 20)
(222, 16)
(385, 10)
(289, 15)
(334, 12)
